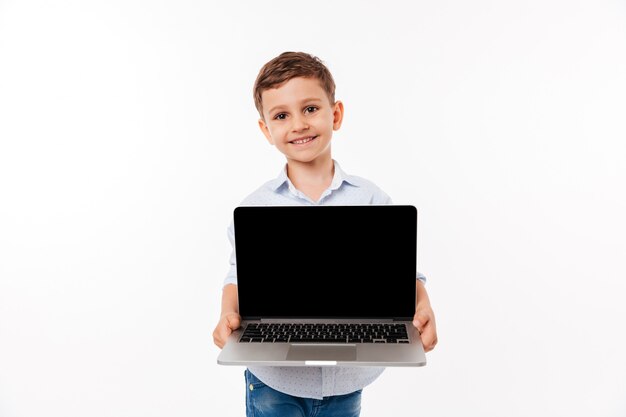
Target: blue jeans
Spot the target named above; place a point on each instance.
(263, 401)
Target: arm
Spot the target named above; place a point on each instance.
(424, 318)
(229, 317)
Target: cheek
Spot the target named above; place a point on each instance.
(330, 120)
(277, 133)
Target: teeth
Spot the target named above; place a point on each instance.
(305, 140)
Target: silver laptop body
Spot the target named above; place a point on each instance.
(325, 286)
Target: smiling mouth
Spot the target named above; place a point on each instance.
(302, 141)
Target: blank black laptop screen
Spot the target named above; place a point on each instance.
(326, 261)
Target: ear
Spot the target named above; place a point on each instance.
(337, 115)
(266, 131)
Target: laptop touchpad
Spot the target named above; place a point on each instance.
(321, 353)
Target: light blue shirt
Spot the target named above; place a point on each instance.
(313, 382)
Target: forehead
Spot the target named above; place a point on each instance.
(292, 93)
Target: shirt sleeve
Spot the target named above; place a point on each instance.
(380, 197)
(231, 276)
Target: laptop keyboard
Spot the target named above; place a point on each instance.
(324, 333)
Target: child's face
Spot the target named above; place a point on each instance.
(300, 120)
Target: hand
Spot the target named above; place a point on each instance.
(228, 322)
(424, 321)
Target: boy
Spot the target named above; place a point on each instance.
(294, 94)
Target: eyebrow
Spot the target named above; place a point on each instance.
(303, 101)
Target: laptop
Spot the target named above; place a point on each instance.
(325, 286)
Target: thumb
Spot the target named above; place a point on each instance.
(233, 321)
(419, 321)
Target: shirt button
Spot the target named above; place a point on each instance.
(251, 387)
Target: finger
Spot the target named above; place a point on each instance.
(217, 338)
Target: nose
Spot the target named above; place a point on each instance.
(299, 123)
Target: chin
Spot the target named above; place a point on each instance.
(302, 160)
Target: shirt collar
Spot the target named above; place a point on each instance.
(338, 178)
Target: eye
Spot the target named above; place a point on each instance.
(310, 109)
(280, 116)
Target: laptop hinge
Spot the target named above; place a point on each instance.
(327, 319)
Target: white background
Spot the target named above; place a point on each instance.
(128, 134)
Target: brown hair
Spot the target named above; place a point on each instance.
(290, 65)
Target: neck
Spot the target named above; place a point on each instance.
(318, 173)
